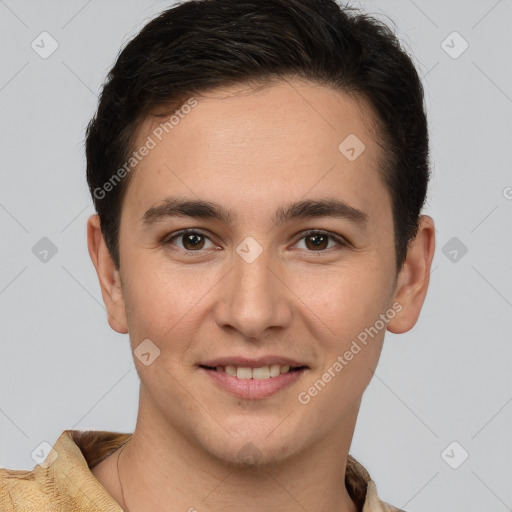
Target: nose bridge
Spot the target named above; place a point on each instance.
(254, 278)
(255, 299)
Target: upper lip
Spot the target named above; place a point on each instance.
(247, 362)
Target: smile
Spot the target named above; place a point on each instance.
(260, 373)
(253, 383)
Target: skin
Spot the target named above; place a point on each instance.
(254, 151)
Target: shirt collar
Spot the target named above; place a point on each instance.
(76, 451)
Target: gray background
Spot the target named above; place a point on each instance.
(449, 379)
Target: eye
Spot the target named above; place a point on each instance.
(318, 241)
(192, 240)
(195, 241)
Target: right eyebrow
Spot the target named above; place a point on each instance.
(175, 207)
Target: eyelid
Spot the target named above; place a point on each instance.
(340, 240)
(167, 239)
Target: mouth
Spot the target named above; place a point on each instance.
(257, 373)
(253, 379)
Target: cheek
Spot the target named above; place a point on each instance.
(343, 299)
(164, 303)
(351, 333)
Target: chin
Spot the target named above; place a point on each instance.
(252, 456)
(255, 448)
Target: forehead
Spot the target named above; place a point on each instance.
(252, 147)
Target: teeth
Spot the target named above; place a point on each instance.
(261, 373)
(231, 370)
(275, 370)
(243, 373)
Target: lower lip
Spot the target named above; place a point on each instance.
(253, 389)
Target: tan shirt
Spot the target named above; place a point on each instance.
(64, 481)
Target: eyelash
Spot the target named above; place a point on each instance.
(167, 240)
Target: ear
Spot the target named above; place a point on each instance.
(414, 277)
(108, 276)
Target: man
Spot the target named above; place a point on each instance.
(258, 169)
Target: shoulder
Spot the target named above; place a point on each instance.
(363, 490)
(374, 504)
(63, 481)
(23, 490)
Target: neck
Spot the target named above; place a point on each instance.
(160, 466)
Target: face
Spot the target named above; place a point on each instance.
(257, 282)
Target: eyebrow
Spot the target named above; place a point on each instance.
(199, 209)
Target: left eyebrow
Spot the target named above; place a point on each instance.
(199, 209)
(321, 208)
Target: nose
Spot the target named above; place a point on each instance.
(255, 299)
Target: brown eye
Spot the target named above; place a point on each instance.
(191, 241)
(318, 241)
